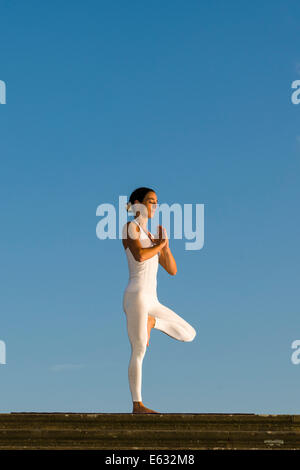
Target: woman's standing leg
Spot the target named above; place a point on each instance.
(136, 309)
(136, 306)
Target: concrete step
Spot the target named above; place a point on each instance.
(117, 431)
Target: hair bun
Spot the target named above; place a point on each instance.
(128, 205)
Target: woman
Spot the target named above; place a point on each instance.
(140, 303)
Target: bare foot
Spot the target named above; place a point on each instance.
(139, 407)
(150, 324)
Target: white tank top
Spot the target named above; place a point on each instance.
(142, 274)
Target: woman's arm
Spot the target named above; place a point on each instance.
(166, 259)
(139, 253)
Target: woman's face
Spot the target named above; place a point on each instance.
(150, 201)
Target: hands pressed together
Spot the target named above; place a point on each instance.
(162, 237)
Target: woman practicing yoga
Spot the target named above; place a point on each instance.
(140, 303)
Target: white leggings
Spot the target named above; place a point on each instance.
(137, 306)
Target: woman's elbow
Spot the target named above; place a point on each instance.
(140, 256)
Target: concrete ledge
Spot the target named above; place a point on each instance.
(117, 431)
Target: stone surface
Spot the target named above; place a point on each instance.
(119, 431)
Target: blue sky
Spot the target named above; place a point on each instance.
(193, 99)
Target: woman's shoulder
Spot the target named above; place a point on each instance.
(126, 233)
(130, 223)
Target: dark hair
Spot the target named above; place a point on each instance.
(139, 194)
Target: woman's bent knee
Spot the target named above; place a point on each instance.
(191, 333)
